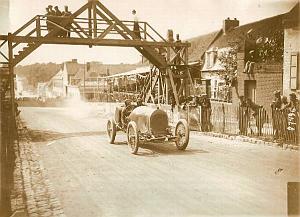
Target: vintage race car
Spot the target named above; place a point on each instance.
(147, 124)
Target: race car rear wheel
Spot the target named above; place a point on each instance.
(132, 137)
(182, 132)
(111, 131)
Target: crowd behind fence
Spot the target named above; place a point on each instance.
(279, 125)
(265, 123)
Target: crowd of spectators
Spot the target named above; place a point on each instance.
(248, 109)
(285, 117)
(192, 104)
(55, 18)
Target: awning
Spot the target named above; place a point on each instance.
(138, 71)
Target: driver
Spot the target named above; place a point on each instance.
(139, 102)
(126, 111)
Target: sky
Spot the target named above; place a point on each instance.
(189, 18)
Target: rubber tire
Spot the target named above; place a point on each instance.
(187, 134)
(132, 125)
(111, 136)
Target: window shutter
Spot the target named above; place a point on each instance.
(294, 71)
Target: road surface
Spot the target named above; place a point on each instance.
(212, 177)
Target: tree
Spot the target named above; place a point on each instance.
(228, 60)
(270, 49)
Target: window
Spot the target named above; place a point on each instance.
(294, 72)
(220, 91)
(210, 58)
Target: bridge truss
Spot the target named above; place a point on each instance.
(95, 25)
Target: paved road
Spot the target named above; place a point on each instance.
(212, 177)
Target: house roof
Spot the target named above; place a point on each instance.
(292, 18)
(200, 44)
(262, 28)
(80, 73)
(72, 67)
(77, 69)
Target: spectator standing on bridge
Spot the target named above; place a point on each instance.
(50, 15)
(50, 9)
(57, 11)
(57, 19)
(47, 17)
(136, 27)
(67, 14)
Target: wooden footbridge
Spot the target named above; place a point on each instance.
(95, 25)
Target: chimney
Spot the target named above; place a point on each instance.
(170, 37)
(229, 24)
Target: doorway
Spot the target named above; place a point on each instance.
(250, 90)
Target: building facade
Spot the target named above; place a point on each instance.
(251, 60)
(291, 71)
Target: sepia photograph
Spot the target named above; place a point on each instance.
(143, 108)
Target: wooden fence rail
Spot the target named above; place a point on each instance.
(280, 125)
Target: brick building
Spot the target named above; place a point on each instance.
(259, 85)
(265, 38)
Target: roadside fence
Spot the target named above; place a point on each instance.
(280, 125)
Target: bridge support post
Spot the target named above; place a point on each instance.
(12, 77)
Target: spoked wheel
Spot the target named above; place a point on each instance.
(132, 137)
(111, 131)
(182, 132)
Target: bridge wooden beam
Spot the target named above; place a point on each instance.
(3, 37)
(92, 41)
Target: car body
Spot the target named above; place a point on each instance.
(148, 124)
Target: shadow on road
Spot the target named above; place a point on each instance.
(146, 150)
(45, 136)
(120, 143)
(166, 149)
(156, 149)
